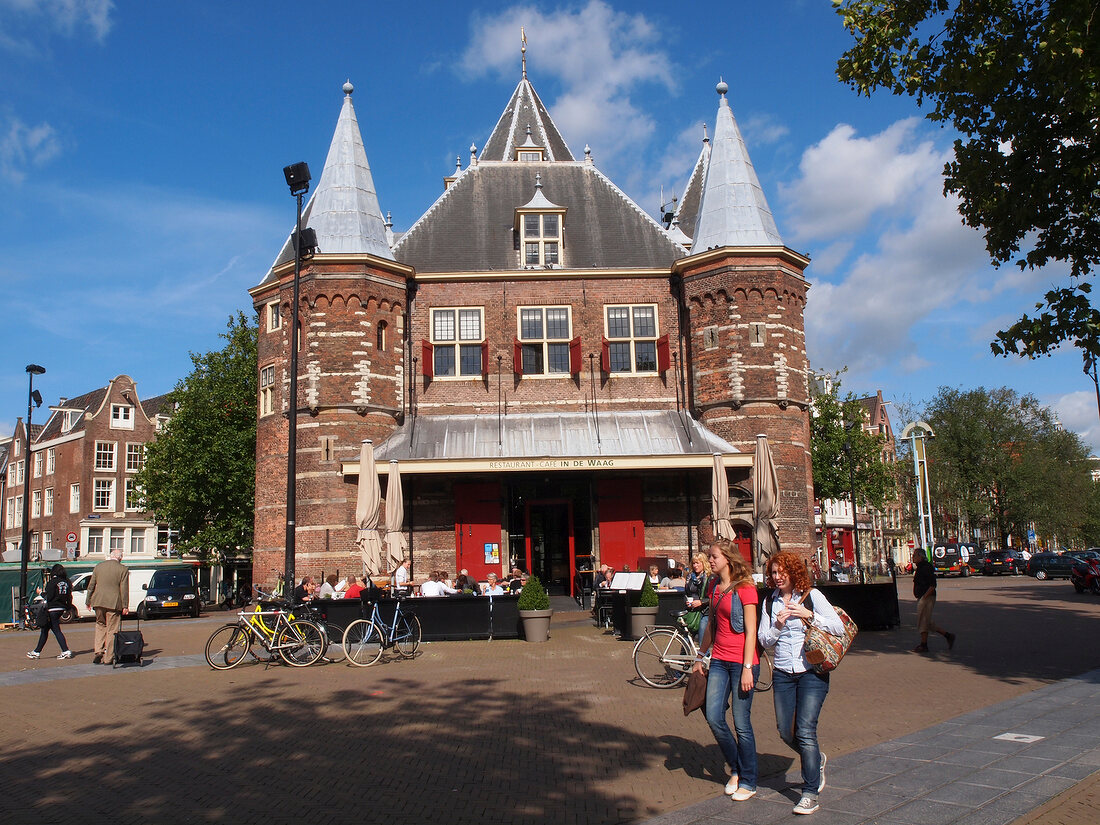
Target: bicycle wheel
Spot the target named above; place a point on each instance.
(227, 646)
(362, 643)
(334, 642)
(407, 638)
(300, 643)
(663, 657)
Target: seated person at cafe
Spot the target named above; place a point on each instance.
(674, 580)
(515, 581)
(434, 587)
(492, 588)
(467, 583)
(332, 588)
(354, 588)
(654, 576)
(445, 579)
(304, 592)
(604, 576)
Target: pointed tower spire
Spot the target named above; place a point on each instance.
(525, 111)
(733, 210)
(344, 209)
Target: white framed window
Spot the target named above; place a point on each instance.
(51, 461)
(16, 447)
(267, 389)
(135, 457)
(133, 500)
(47, 502)
(34, 545)
(544, 334)
(9, 514)
(122, 417)
(541, 240)
(18, 511)
(105, 455)
(11, 474)
(38, 465)
(95, 541)
(20, 472)
(274, 317)
(116, 538)
(631, 338)
(103, 494)
(68, 420)
(36, 504)
(457, 337)
(74, 498)
(137, 543)
(47, 540)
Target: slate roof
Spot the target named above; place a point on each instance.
(687, 210)
(157, 405)
(89, 402)
(470, 227)
(524, 109)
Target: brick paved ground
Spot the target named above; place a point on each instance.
(486, 732)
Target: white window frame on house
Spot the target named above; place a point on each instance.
(20, 472)
(47, 502)
(47, 540)
(132, 500)
(116, 539)
(541, 243)
(267, 389)
(137, 542)
(95, 541)
(36, 504)
(105, 455)
(11, 474)
(18, 511)
(51, 461)
(103, 495)
(135, 456)
(122, 417)
(9, 514)
(631, 344)
(543, 341)
(274, 317)
(34, 545)
(37, 465)
(16, 448)
(457, 343)
(74, 498)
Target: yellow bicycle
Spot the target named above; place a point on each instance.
(298, 642)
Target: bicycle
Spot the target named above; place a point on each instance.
(664, 656)
(298, 642)
(366, 638)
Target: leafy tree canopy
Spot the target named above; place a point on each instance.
(200, 473)
(1020, 80)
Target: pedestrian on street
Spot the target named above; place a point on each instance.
(799, 691)
(734, 665)
(59, 598)
(109, 597)
(924, 591)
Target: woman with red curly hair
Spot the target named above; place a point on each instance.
(798, 689)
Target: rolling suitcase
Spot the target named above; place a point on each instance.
(128, 646)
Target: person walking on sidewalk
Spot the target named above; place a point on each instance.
(798, 689)
(924, 591)
(109, 596)
(59, 598)
(734, 666)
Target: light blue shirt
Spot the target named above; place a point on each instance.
(493, 591)
(787, 641)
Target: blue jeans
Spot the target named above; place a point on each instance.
(724, 681)
(798, 701)
(703, 621)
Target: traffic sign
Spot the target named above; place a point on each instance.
(70, 536)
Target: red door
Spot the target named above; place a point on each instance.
(477, 529)
(622, 532)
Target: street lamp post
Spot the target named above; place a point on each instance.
(33, 398)
(297, 178)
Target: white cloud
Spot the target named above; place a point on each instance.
(762, 129)
(23, 146)
(67, 17)
(1078, 412)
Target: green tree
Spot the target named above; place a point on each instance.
(1020, 80)
(200, 473)
(836, 447)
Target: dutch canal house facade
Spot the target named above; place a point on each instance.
(552, 369)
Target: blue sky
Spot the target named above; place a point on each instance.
(142, 146)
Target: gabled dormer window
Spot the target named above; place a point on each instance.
(540, 231)
(529, 151)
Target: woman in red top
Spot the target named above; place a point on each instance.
(734, 666)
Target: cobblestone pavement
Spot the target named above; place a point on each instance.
(504, 731)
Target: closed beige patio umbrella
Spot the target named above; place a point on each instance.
(765, 504)
(720, 500)
(396, 545)
(367, 502)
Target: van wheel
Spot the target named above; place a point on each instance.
(142, 613)
(68, 616)
(1040, 574)
(195, 611)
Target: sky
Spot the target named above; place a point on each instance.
(142, 147)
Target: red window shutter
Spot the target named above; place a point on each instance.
(517, 357)
(427, 359)
(575, 356)
(484, 358)
(605, 356)
(664, 358)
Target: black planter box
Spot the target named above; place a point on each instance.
(445, 618)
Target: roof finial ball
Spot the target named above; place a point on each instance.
(348, 88)
(722, 87)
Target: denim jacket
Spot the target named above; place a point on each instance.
(737, 610)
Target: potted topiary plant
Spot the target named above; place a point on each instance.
(643, 609)
(534, 610)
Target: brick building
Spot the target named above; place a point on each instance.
(79, 473)
(552, 368)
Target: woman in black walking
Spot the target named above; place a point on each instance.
(59, 598)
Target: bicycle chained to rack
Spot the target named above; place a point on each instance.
(307, 610)
(366, 638)
(664, 655)
(298, 642)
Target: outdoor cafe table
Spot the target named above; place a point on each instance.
(442, 618)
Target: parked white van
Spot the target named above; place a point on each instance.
(139, 580)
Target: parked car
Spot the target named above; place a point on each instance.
(1051, 565)
(963, 559)
(1004, 561)
(171, 592)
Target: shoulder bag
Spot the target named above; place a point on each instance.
(822, 649)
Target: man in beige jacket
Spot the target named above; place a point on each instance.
(109, 596)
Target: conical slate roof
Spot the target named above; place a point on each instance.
(344, 209)
(525, 109)
(733, 210)
(687, 210)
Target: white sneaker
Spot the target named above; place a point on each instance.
(821, 783)
(742, 794)
(806, 805)
(33, 654)
(731, 786)
(65, 654)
